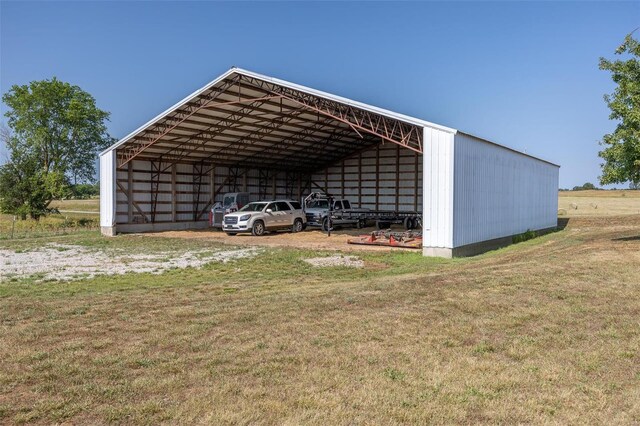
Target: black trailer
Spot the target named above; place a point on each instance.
(382, 218)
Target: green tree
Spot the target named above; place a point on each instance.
(621, 151)
(56, 133)
(585, 187)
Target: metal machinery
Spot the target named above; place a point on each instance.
(408, 239)
(231, 202)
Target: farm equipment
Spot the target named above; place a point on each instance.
(407, 239)
(321, 209)
(382, 218)
(328, 212)
(231, 202)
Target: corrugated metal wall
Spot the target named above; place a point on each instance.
(437, 220)
(260, 184)
(384, 177)
(107, 190)
(177, 197)
(499, 192)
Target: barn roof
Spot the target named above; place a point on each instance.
(247, 119)
(251, 119)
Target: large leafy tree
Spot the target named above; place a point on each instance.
(56, 130)
(621, 152)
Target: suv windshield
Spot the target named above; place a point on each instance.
(319, 204)
(253, 207)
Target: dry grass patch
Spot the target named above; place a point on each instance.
(598, 203)
(544, 331)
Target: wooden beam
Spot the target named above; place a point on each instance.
(377, 176)
(124, 191)
(129, 191)
(416, 182)
(360, 179)
(212, 182)
(342, 181)
(397, 176)
(174, 201)
(273, 188)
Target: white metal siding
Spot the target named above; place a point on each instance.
(499, 192)
(185, 192)
(438, 188)
(107, 189)
(397, 179)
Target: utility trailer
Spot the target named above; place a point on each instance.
(324, 210)
(383, 218)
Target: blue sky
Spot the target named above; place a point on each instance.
(524, 74)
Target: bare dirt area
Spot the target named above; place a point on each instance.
(69, 262)
(312, 238)
(339, 260)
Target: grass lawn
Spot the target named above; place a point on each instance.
(542, 331)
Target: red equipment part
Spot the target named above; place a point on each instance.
(390, 239)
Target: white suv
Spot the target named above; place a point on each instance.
(262, 216)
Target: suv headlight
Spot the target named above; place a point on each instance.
(244, 217)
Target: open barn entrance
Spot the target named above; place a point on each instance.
(273, 139)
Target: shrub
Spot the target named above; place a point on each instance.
(525, 236)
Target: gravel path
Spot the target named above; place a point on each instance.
(338, 260)
(69, 262)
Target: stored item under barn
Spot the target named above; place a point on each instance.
(246, 132)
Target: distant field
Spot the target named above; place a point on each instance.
(91, 205)
(598, 203)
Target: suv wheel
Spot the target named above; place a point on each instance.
(297, 226)
(258, 228)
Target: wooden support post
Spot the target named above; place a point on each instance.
(397, 177)
(326, 180)
(377, 177)
(174, 201)
(275, 175)
(129, 192)
(342, 191)
(416, 193)
(212, 183)
(360, 179)
(299, 186)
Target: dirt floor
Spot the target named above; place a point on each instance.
(312, 238)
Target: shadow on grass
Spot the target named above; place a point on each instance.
(562, 223)
(634, 238)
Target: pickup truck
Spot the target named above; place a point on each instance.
(317, 212)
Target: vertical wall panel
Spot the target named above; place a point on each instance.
(438, 152)
(107, 189)
(394, 178)
(500, 192)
